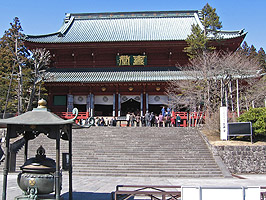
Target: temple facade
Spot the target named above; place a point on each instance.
(108, 64)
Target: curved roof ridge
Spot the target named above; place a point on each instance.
(66, 26)
(198, 21)
(137, 14)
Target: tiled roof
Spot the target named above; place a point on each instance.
(124, 27)
(119, 74)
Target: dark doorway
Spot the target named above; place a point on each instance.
(80, 107)
(131, 106)
(103, 110)
(156, 108)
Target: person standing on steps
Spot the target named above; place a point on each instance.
(163, 111)
(137, 120)
(147, 118)
(173, 121)
(113, 121)
(128, 118)
(132, 119)
(178, 120)
(161, 118)
(152, 119)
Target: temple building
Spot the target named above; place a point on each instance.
(108, 64)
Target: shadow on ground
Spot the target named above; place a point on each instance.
(88, 196)
(92, 196)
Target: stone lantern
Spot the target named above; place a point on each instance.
(30, 125)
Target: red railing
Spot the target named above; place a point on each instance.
(69, 115)
(187, 118)
(190, 119)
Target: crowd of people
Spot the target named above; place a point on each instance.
(166, 118)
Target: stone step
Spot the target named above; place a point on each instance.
(182, 174)
(147, 152)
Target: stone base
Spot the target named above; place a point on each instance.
(39, 197)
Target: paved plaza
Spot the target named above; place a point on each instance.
(100, 187)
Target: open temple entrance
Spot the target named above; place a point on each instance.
(156, 108)
(131, 106)
(103, 110)
(80, 107)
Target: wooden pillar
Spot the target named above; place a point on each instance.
(119, 105)
(147, 102)
(141, 104)
(70, 102)
(92, 106)
(114, 102)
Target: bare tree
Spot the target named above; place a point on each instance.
(40, 59)
(210, 81)
(256, 93)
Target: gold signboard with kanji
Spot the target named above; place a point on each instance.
(131, 60)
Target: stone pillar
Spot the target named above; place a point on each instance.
(147, 102)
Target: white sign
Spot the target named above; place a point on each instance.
(220, 193)
(223, 123)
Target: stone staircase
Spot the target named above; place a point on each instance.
(139, 151)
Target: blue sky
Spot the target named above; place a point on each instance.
(42, 17)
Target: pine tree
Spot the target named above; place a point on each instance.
(198, 39)
(210, 20)
(196, 42)
(13, 57)
(262, 59)
(253, 52)
(244, 49)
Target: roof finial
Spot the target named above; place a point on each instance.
(42, 103)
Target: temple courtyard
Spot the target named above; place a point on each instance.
(100, 187)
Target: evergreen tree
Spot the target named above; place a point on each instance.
(244, 49)
(262, 59)
(198, 39)
(16, 69)
(10, 65)
(253, 52)
(197, 42)
(210, 20)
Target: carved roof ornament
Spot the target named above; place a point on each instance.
(42, 103)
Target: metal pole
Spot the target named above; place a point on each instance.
(5, 172)
(26, 150)
(70, 162)
(57, 172)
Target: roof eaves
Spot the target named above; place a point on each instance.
(41, 36)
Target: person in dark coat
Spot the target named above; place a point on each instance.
(178, 120)
(113, 121)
